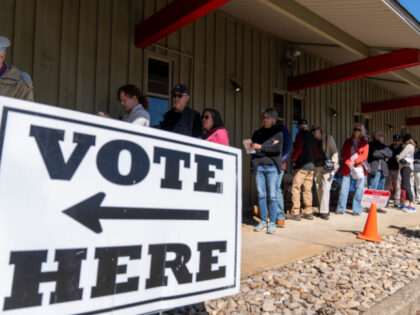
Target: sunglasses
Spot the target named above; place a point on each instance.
(177, 95)
(357, 129)
(206, 117)
(313, 130)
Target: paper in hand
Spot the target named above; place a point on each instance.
(247, 145)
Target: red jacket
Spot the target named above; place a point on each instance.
(362, 150)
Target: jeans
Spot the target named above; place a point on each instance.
(377, 180)
(344, 193)
(267, 180)
(280, 215)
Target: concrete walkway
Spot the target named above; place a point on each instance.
(306, 238)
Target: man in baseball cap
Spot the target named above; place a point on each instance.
(181, 118)
(304, 165)
(13, 82)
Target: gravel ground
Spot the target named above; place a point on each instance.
(343, 281)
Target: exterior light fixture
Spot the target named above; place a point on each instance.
(333, 112)
(236, 87)
(390, 127)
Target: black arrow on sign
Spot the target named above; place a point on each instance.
(89, 212)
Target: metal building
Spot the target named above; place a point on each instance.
(79, 52)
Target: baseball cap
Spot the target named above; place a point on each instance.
(4, 43)
(302, 122)
(396, 137)
(181, 88)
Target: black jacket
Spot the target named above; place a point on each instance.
(417, 161)
(270, 154)
(304, 151)
(392, 162)
(187, 122)
(378, 153)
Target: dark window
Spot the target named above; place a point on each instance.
(158, 85)
(278, 102)
(297, 109)
(158, 77)
(357, 118)
(367, 127)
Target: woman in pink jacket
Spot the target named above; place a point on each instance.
(214, 130)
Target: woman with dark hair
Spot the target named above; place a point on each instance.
(405, 160)
(135, 105)
(213, 127)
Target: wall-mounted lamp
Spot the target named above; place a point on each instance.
(333, 112)
(291, 56)
(236, 87)
(390, 127)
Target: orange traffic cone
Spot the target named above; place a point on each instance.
(370, 232)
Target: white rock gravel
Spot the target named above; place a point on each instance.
(343, 281)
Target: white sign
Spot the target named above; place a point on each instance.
(379, 197)
(100, 216)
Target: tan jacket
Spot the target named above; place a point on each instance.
(13, 83)
(330, 148)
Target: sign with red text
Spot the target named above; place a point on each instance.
(379, 197)
(100, 216)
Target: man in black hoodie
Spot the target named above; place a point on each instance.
(304, 165)
(266, 164)
(378, 156)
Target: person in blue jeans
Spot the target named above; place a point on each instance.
(266, 165)
(378, 156)
(354, 153)
(287, 148)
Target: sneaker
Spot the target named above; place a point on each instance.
(261, 226)
(397, 205)
(404, 207)
(324, 216)
(271, 228)
(410, 210)
(281, 223)
(295, 217)
(339, 212)
(355, 213)
(308, 216)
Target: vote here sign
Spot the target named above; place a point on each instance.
(99, 216)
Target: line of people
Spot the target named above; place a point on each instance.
(315, 160)
(180, 119)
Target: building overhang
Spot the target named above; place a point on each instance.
(171, 18)
(392, 61)
(393, 104)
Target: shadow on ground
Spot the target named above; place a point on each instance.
(406, 232)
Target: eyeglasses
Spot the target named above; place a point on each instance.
(357, 129)
(178, 95)
(266, 117)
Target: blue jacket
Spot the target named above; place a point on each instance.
(287, 142)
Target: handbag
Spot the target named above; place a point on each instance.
(328, 163)
(357, 172)
(365, 163)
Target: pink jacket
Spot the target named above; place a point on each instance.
(218, 135)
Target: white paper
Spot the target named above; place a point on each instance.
(247, 144)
